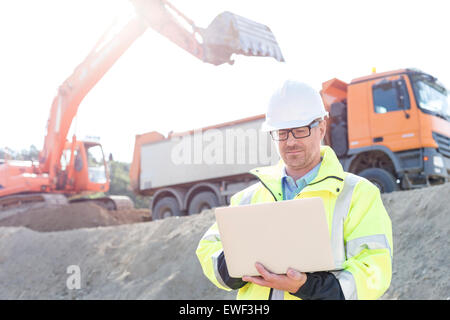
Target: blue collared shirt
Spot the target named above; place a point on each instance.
(291, 188)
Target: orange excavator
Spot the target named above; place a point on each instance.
(68, 169)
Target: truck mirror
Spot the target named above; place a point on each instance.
(400, 87)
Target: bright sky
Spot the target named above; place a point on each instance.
(157, 86)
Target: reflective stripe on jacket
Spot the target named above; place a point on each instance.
(359, 226)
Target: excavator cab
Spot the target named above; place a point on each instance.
(87, 176)
(85, 170)
(95, 163)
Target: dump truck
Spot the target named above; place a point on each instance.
(392, 128)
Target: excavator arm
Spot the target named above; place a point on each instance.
(227, 34)
(70, 94)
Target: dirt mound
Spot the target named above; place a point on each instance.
(73, 216)
(156, 260)
(421, 228)
(150, 260)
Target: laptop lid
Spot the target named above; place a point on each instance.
(282, 234)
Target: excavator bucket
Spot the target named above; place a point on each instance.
(230, 33)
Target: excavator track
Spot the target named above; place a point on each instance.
(109, 202)
(17, 203)
(16, 200)
(12, 204)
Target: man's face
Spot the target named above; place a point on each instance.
(301, 153)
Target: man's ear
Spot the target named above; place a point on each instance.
(323, 128)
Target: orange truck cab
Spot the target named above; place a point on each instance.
(392, 128)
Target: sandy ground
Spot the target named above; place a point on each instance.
(421, 229)
(125, 256)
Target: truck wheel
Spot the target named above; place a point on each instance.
(381, 178)
(203, 201)
(166, 207)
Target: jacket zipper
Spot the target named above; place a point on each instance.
(333, 177)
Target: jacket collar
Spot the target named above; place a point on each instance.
(330, 176)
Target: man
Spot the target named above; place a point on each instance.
(360, 228)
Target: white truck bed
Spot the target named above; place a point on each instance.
(214, 153)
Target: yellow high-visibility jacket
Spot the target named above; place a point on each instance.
(359, 226)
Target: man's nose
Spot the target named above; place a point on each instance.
(290, 139)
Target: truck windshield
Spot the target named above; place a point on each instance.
(431, 96)
(96, 164)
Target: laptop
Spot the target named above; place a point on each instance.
(281, 234)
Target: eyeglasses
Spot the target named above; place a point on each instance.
(297, 133)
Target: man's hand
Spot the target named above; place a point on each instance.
(291, 281)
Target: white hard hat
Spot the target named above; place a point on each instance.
(295, 104)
